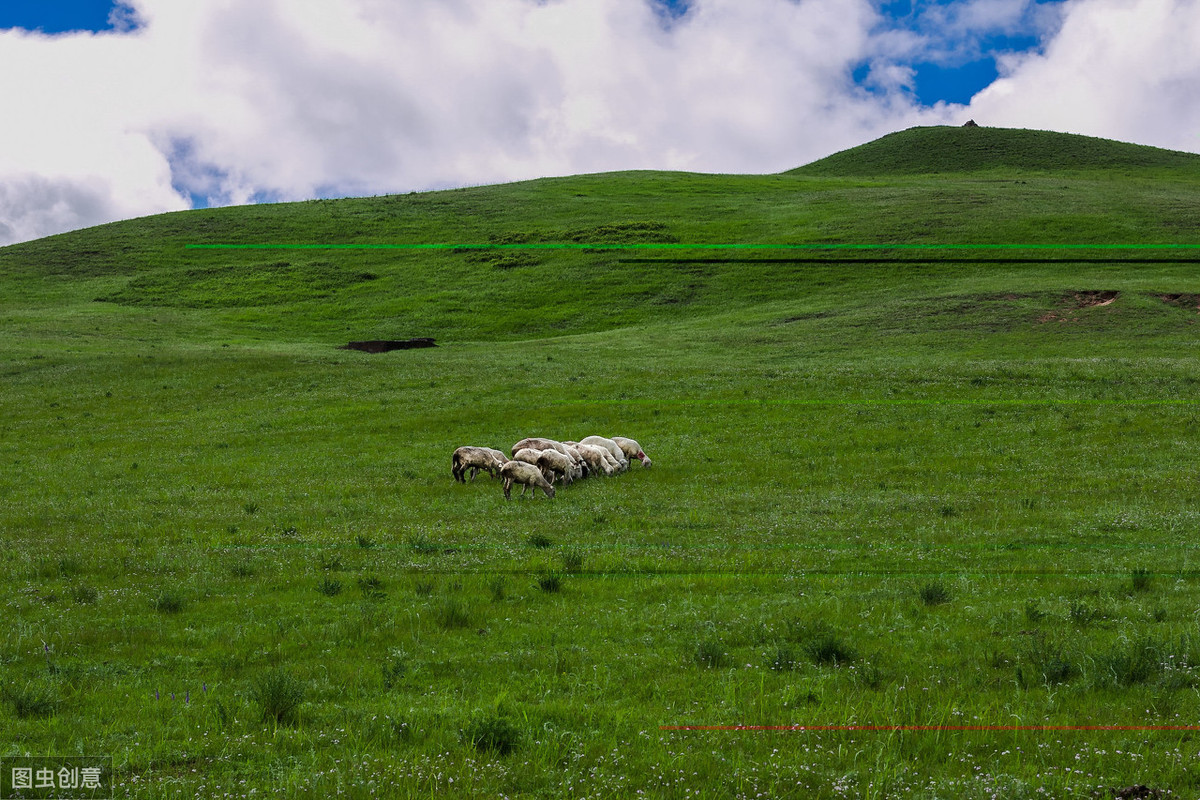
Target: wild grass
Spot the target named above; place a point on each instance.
(279, 695)
(830, 435)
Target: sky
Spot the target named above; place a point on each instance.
(118, 110)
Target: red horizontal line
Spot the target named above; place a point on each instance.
(925, 728)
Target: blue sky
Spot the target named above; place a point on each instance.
(58, 16)
(113, 111)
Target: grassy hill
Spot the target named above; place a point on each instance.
(941, 150)
(924, 488)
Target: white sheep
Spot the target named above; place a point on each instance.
(528, 455)
(556, 466)
(475, 459)
(632, 450)
(540, 444)
(577, 457)
(613, 449)
(525, 474)
(597, 458)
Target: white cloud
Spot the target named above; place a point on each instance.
(236, 100)
(1120, 69)
(242, 99)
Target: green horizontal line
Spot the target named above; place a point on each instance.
(683, 246)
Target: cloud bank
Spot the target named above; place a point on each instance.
(233, 101)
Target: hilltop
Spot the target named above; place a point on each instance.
(942, 149)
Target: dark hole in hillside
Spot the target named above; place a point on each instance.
(387, 345)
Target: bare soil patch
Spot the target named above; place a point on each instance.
(1077, 301)
(387, 345)
(1182, 300)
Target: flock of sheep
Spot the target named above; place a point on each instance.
(540, 463)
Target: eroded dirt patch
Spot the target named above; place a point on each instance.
(387, 345)
(1093, 299)
(1182, 300)
(1076, 301)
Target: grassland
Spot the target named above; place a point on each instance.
(891, 488)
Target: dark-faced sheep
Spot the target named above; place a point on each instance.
(632, 450)
(613, 449)
(475, 459)
(525, 474)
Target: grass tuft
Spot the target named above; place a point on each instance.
(572, 561)
(492, 733)
(934, 594)
(168, 601)
(395, 667)
(279, 695)
(452, 613)
(30, 702)
(1046, 663)
(85, 595)
(710, 653)
(329, 587)
(1141, 580)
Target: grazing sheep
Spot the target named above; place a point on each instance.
(475, 459)
(539, 444)
(497, 453)
(528, 455)
(597, 458)
(556, 466)
(573, 449)
(613, 449)
(525, 474)
(632, 450)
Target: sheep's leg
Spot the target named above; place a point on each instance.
(474, 472)
(508, 488)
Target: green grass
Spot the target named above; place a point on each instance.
(841, 442)
(946, 149)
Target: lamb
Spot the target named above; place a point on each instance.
(632, 449)
(613, 449)
(525, 474)
(597, 458)
(556, 466)
(475, 459)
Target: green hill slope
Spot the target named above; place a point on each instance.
(976, 149)
(126, 274)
